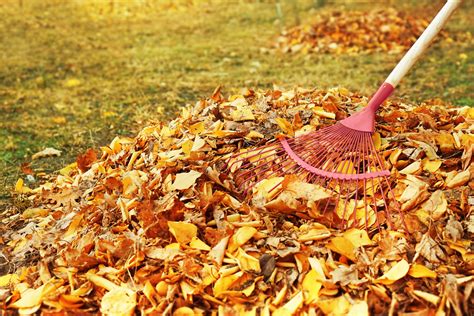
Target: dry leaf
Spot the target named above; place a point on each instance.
(420, 271)
(118, 301)
(398, 271)
(182, 232)
(47, 152)
(185, 180)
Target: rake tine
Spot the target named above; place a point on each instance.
(353, 145)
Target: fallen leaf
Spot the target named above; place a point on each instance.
(47, 152)
(459, 179)
(240, 237)
(398, 271)
(71, 83)
(420, 271)
(334, 306)
(85, 160)
(185, 180)
(182, 232)
(118, 301)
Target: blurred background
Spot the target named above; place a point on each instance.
(76, 73)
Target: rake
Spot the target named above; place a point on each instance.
(341, 158)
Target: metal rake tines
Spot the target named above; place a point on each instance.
(337, 158)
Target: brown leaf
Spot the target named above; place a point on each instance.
(85, 161)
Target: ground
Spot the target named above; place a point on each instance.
(74, 74)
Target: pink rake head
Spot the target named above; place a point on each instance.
(341, 158)
(337, 158)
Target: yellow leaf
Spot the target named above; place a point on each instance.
(185, 180)
(311, 286)
(161, 288)
(35, 212)
(362, 211)
(7, 279)
(285, 126)
(445, 142)
(186, 147)
(20, 187)
(208, 274)
(459, 179)
(150, 293)
(342, 246)
(317, 264)
(183, 232)
(240, 237)
(197, 243)
(58, 119)
(71, 83)
(377, 140)
(225, 282)
(30, 298)
(291, 306)
(431, 165)
(254, 134)
(358, 237)
(73, 227)
(101, 281)
(268, 188)
(308, 191)
(183, 311)
(186, 289)
(118, 301)
(249, 289)
(197, 128)
(66, 171)
(70, 301)
(316, 232)
(394, 156)
(198, 143)
(397, 272)
(467, 139)
(242, 113)
(433, 299)
(320, 112)
(346, 167)
(247, 262)
(412, 168)
(436, 205)
(173, 246)
(359, 308)
(334, 306)
(132, 182)
(420, 271)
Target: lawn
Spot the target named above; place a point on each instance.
(74, 74)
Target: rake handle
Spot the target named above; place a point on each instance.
(413, 54)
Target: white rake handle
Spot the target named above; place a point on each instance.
(413, 54)
(364, 120)
(422, 43)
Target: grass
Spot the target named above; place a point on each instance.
(74, 74)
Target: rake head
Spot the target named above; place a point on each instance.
(336, 158)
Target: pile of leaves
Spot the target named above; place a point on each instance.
(154, 224)
(337, 32)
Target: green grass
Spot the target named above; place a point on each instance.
(137, 63)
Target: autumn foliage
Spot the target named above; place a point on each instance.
(153, 224)
(379, 30)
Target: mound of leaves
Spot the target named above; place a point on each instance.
(386, 30)
(154, 225)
